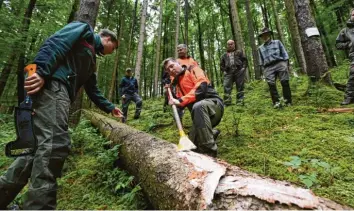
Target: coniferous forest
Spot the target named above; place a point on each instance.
(308, 142)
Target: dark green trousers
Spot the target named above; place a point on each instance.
(43, 168)
(206, 114)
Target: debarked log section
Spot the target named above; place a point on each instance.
(187, 180)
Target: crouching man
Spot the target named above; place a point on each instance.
(193, 90)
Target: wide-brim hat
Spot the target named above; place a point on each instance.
(265, 30)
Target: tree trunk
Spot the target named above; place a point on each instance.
(256, 69)
(236, 26)
(200, 41)
(22, 48)
(177, 26)
(175, 180)
(73, 11)
(265, 14)
(88, 12)
(116, 60)
(317, 68)
(277, 22)
(186, 14)
(324, 36)
(131, 35)
(141, 40)
(158, 46)
(295, 36)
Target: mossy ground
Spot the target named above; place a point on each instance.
(298, 144)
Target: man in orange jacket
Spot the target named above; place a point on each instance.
(193, 90)
(183, 58)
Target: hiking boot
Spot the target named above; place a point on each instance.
(347, 101)
(216, 133)
(277, 105)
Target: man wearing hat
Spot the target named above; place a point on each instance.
(345, 41)
(274, 59)
(129, 92)
(233, 65)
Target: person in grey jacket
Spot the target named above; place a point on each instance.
(233, 65)
(345, 41)
(275, 60)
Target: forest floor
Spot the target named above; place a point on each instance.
(299, 144)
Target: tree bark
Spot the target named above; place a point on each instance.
(158, 46)
(178, 4)
(73, 11)
(265, 14)
(317, 68)
(88, 13)
(186, 14)
(200, 41)
(22, 48)
(131, 35)
(295, 36)
(141, 40)
(277, 22)
(256, 69)
(175, 180)
(116, 60)
(324, 38)
(236, 26)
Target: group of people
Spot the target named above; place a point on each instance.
(67, 61)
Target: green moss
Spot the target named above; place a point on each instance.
(261, 139)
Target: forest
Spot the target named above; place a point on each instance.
(309, 144)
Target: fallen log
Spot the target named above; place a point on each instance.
(175, 180)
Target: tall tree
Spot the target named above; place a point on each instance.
(22, 48)
(73, 11)
(131, 35)
(114, 78)
(177, 25)
(277, 22)
(88, 12)
(200, 38)
(158, 45)
(265, 14)
(236, 26)
(18, 50)
(295, 36)
(141, 40)
(256, 69)
(317, 67)
(324, 38)
(186, 17)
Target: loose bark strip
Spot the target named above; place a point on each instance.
(188, 180)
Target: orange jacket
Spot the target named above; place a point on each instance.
(188, 83)
(187, 61)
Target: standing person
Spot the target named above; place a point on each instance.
(233, 65)
(275, 60)
(345, 41)
(65, 62)
(193, 90)
(183, 57)
(129, 92)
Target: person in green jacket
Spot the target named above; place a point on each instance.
(65, 62)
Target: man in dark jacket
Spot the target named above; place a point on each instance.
(193, 90)
(233, 65)
(65, 62)
(345, 41)
(129, 92)
(275, 60)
